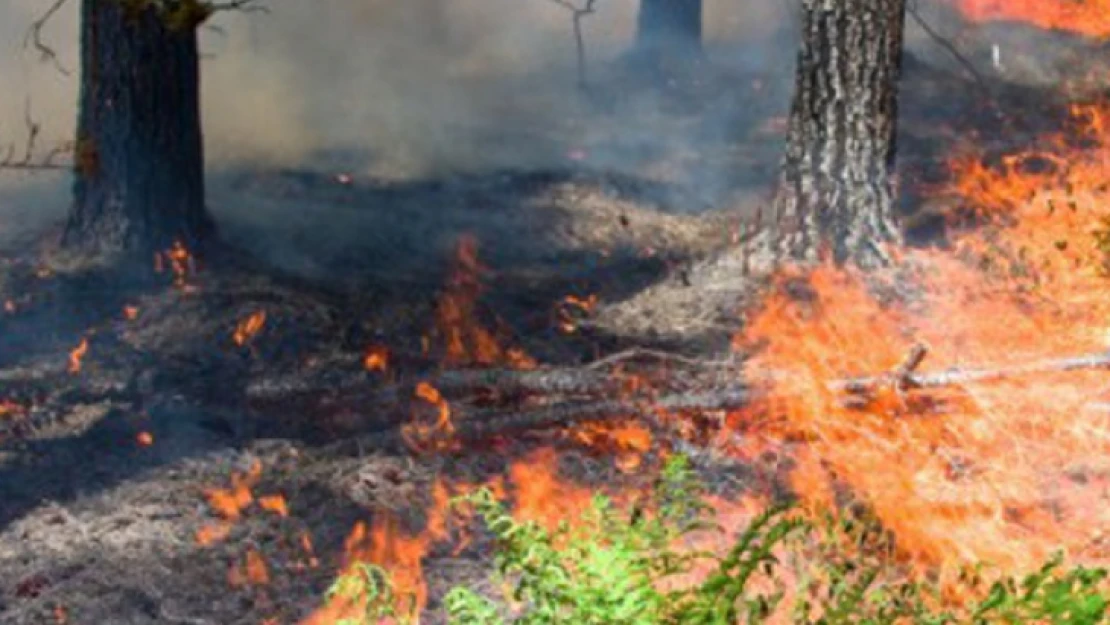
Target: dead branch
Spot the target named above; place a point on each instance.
(949, 47)
(577, 13)
(955, 377)
(561, 381)
(476, 424)
(594, 378)
(27, 162)
(33, 38)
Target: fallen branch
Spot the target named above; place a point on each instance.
(469, 425)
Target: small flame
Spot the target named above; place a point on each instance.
(376, 358)
(130, 313)
(417, 434)
(77, 354)
(144, 439)
(181, 264)
(275, 504)
(464, 340)
(252, 572)
(247, 328)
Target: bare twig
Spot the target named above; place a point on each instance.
(949, 47)
(33, 37)
(27, 161)
(577, 13)
(245, 6)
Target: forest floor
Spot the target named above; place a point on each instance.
(104, 471)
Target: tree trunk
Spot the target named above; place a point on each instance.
(139, 164)
(668, 28)
(836, 191)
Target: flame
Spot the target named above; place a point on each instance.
(376, 358)
(130, 313)
(419, 435)
(1085, 17)
(229, 504)
(247, 328)
(77, 354)
(275, 504)
(181, 264)
(251, 572)
(144, 439)
(1003, 472)
(464, 340)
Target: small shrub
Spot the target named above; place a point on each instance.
(612, 567)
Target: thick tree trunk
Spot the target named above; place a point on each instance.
(139, 167)
(836, 191)
(668, 28)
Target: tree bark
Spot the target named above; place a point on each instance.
(139, 167)
(669, 28)
(836, 191)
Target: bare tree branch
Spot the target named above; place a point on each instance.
(246, 6)
(33, 37)
(577, 13)
(27, 161)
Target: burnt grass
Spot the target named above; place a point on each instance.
(96, 524)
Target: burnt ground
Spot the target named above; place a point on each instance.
(96, 524)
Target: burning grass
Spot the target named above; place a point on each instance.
(970, 486)
(641, 564)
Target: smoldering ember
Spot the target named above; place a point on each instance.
(557, 311)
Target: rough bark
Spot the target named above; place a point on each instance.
(836, 191)
(669, 28)
(139, 168)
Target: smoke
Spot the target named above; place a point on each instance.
(400, 88)
(414, 80)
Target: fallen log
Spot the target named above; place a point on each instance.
(566, 381)
(470, 425)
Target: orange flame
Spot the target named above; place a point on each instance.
(1003, 472)
(465, 341)
(252, 572)
(247, 328)
(181, 264)
(77, 354)
(1086, 17)
(376, 358)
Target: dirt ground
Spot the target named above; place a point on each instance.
(100, 527)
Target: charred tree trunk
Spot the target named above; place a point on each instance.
(668, 29)
(836, 191)
(139, 168)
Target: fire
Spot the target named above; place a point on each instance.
(1003, 471)
(464, 340)
(144, 439)
(376, 358)
(275, 504)
(538, 495)
(1086, 17)
(229, 504)
(417, 434)
(77, 354)
(251, 572)
(572, 307)
(181, 264)
(247, 328)
(130, 313)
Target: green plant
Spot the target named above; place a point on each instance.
(369, 590)
(620, 565)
